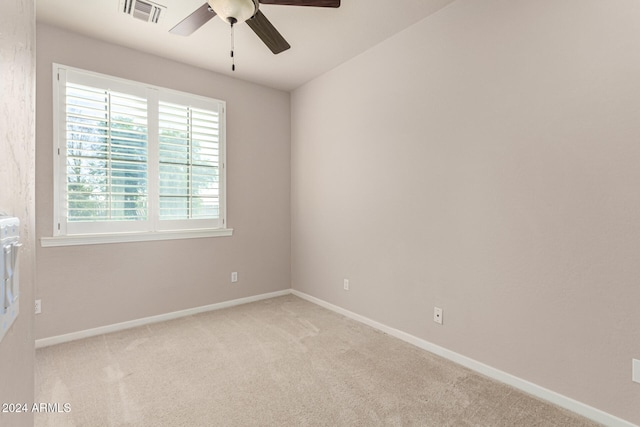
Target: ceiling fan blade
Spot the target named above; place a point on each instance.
(197, 19)
(268, 33)
(316, 3)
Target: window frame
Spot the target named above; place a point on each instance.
(71, 233)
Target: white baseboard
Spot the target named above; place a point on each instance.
(45, 342)
(496, 374)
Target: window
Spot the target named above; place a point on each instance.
(135, 159)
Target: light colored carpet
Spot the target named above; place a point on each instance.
(279, 362)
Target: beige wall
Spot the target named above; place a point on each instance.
(84, 287)
(486, 161)
(17, 188)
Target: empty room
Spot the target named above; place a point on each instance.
(320, 212)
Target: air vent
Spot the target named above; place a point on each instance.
(144, 10)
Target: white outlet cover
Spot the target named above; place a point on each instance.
(234, 277)
(635, 370)
(346, 284)
(437, 315)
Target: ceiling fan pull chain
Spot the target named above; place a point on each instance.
(233, 58)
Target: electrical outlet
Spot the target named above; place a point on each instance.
(234, 277)
(437, 315)
(38, 306)
(635, 370)
(346, 284)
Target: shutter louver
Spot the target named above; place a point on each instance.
(107, 154)
(189, 162)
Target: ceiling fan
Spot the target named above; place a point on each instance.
(233, 11)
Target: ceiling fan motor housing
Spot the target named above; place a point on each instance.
(232, 11)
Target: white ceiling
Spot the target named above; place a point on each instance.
(320, 38)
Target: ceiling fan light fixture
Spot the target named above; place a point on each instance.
(234, 10)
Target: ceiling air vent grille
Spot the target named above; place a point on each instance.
(144, 10)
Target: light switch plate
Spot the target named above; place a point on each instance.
(635, 370)
(10, 288)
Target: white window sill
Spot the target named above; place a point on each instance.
(100, 239)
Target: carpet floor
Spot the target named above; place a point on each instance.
(278, 362)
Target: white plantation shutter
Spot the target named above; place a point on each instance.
(135, 158)
(106, 154)
(189, 162)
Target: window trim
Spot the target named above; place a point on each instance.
(155, 229)
(98, 239)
